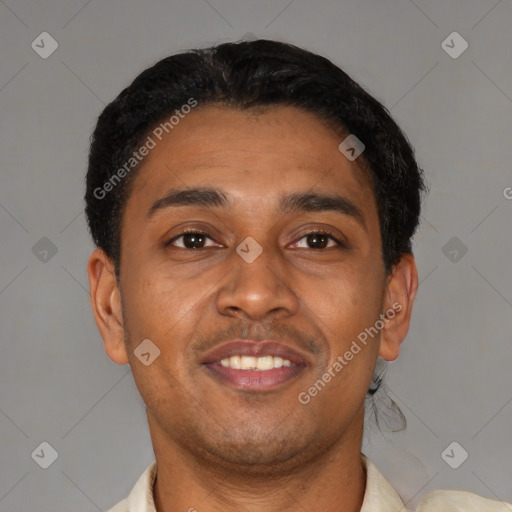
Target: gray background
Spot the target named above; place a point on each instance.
(452, 379)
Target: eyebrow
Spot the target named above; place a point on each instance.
(206, 197)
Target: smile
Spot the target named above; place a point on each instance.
(251, 365)
(262, 364)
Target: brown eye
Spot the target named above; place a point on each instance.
(319, 240)
(191, 240)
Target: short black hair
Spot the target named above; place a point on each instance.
(244, 75)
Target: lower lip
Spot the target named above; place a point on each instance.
(254, 380)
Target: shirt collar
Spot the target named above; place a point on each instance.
(379, 495)
(141, 496)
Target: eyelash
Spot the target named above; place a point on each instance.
(340, 244)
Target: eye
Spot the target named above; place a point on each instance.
(320, 240)
(196, 240)
(191, 240)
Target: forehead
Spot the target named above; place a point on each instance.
(255, 155)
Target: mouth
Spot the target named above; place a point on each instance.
(255, 365)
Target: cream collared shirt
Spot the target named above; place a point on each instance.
(379, 496)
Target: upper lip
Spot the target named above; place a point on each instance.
(255, 348)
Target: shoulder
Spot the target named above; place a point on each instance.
(141, 496)
(122, 506)
(460, 501)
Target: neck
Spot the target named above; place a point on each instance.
(335, 480)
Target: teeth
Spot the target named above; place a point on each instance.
(254, 363)
(265, 363)
(248, 363)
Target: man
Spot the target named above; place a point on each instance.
(253, 209)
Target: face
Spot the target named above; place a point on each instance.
(251, 290)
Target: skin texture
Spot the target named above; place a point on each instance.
(217, 447)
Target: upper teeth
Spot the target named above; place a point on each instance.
(254, 363)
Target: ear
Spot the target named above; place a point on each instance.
(399, 296)
(106, 305)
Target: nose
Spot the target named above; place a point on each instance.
(258, 291)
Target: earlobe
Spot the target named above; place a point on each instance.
(398, 302)
(106, 305)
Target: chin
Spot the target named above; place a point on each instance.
(263, 453)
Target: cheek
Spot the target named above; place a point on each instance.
(348, 302)
(347, 307)
(164, 310)
(158, 310)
